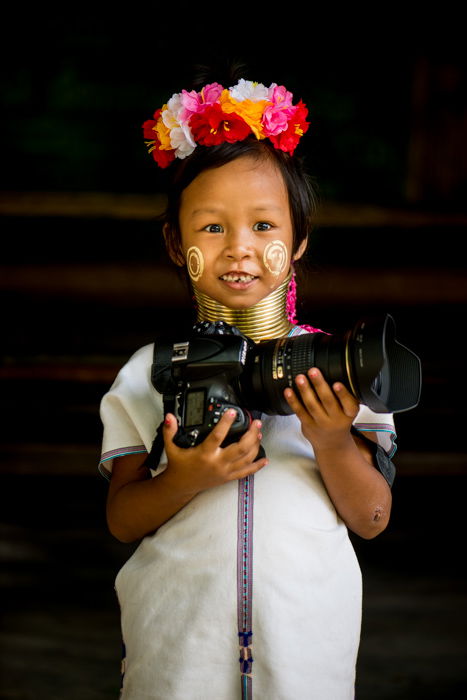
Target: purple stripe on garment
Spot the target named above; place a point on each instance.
(245, 581)
(385, 427)
(122, 451)
(380, 428)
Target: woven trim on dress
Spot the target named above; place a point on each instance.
(119, 452)
(380, 428)
(296, 330)
(245, 582)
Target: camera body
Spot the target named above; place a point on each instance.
(218, 368)
(205, 373)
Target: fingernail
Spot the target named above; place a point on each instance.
(232, 413)
(313, 373)
(300, 380)
(260, 436)
(167, 420)
(288, 393)
(258, 424)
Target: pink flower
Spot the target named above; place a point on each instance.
(195, 102)
(211, 93)
(280, 97)
(276, 117)
(274, 121)
(190, 104)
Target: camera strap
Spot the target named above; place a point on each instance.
(154, 456)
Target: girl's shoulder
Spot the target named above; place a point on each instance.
(136, 371)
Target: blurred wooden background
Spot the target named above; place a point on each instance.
(84, 281)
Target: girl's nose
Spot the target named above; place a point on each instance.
(239, 245)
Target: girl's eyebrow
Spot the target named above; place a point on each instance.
(217, 210)
(205, 210)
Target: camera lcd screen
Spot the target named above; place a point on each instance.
(194, 408)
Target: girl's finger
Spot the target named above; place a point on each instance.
(295, 404)
(250, 468)
(308, 394)
(323, 390)
(246, 448)
(349, 403)
(169, 432)
(220, 431)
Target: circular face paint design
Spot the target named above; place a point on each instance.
(275, 257)
(195, 263)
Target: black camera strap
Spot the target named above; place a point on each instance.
(154, 456)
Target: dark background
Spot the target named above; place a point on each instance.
(84, 282)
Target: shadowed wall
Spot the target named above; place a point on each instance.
(84, 282)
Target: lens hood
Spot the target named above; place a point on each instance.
(384, 374)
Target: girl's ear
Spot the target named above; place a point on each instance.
(172, 246)
(301, 249)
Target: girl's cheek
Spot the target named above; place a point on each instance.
(194, 263)
(276, 257)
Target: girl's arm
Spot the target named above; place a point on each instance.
(137, 504)
(360, 493)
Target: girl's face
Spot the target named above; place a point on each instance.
(237, 232)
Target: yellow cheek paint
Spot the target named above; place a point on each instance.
(194, 263)
(275, 257)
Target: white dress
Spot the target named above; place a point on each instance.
(178, 591)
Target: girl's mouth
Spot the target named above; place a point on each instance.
(238, 280)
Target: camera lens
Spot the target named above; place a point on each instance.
(379, 371)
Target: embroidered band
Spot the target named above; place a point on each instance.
(245, 582)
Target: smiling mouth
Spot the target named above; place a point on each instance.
(237, 278)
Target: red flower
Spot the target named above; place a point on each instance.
(148, 130)
(287, 140)
(213, 126)
(163, 158)
(148, 126)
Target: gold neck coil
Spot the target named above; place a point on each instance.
(265, 320)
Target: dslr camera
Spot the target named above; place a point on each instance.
(217, 368)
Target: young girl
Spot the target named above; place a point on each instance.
(245, 583)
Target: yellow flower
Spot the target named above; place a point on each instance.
(163, 133)
(250, 112)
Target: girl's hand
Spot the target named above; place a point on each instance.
(196, 469)
(326, 413)
(358, 491)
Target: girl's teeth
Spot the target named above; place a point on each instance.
(237, 278)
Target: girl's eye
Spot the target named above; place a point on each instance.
(214, 228)
(262, 226)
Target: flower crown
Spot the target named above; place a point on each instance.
(217, 115)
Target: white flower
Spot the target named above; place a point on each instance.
(170, 116)
(182, 141)
(248, 90)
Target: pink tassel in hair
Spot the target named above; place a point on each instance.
(291, 306)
